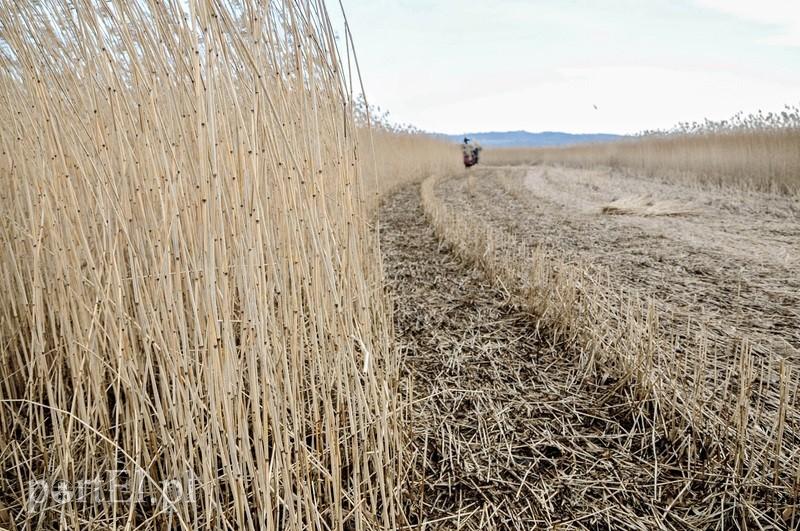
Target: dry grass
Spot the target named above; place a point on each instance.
(718, 409)
(759, 159)
(190, 285)
(192, 291)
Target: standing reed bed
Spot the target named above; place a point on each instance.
(397, 157)
(719, 411)
(393, 154)
(758, 153)
(192, 301)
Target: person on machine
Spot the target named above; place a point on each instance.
(471, 151)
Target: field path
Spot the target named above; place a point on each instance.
(504, 433)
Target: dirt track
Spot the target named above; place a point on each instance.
(503, 431)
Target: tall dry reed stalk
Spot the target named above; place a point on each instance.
(190, 288)
(393, 154)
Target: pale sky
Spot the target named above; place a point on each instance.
(542, 65)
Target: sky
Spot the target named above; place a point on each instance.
(453, 66)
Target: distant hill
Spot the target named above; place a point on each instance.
(526, 139)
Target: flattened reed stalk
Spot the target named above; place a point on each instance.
(190, 289)
(761, 158)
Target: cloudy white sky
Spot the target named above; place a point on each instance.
(490, 65)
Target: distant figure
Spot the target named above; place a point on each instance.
(470, 150)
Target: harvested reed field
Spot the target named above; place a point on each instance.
(726, 258)
(505, 433)
(234, 296)
(592, 350)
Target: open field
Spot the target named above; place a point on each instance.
(685, 299)
(231, 299)
(506, 432)
(726, 258)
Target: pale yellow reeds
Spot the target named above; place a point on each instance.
(399, 157)
(190, 286)
(764, 159)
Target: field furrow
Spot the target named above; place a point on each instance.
(727, 262)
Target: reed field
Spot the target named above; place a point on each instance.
(628, 357)
(192, 296)
(686, 349)
(235, 296)
(757, 152)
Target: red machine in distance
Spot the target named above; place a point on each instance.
(471, 151)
